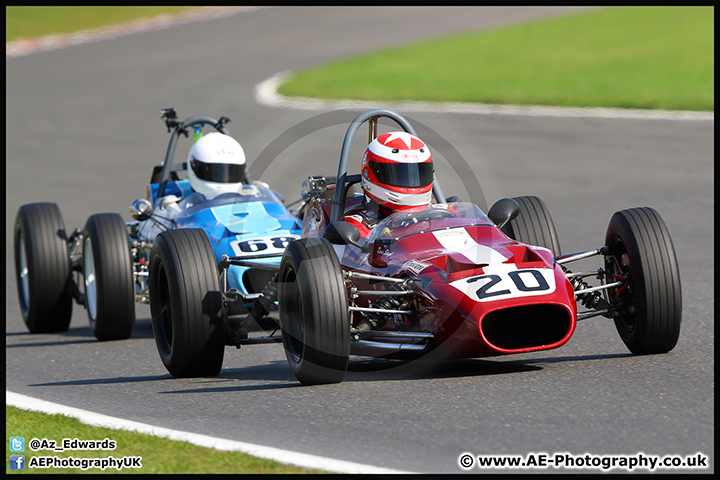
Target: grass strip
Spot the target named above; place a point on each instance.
(631, 57)
(38, 21)
(159, 455)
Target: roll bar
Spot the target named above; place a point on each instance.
(372, 115)
(169, 115)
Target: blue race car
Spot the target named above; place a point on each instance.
(105, 266)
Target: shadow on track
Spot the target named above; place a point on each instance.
(275, 374)
(75, 335)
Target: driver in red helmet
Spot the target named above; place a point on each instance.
(397, 175)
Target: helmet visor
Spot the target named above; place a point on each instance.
(411, 175)
(218, 172)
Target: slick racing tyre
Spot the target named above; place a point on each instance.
(314, 312)
(108, 277)
(534, 225)
(186, 305)
(640, 248)
(42, 268)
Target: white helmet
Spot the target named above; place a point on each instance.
(215, 165)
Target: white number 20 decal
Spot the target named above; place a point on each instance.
(507, 284)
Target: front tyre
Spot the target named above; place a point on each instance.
(42, 268)
(534, 225)
(186, 303)
(314, 312)
(641, 249)
(108, 277)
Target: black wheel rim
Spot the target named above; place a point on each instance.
(293, 327)
(164, 338)
(22, 272)
(90, 280)
(624, 294)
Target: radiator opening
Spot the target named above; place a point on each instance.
(526, 326)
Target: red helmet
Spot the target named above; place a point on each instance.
(397, 172)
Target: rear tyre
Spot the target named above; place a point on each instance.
(42, 268)
(314, 312)
(641, 248)
(108, 277)
(186, 305)
(534, 225)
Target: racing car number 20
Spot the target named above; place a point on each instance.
(500, 285)
(264, 245)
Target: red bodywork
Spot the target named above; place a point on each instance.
(478, 292)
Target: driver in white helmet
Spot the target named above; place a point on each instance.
(397, 175)
(215, 165)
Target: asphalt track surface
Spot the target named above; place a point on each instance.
(83, 130)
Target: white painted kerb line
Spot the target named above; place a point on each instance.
(283, 456)
(266, 94)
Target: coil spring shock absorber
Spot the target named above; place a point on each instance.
(263, 305)
(592, 300)
(375, 320)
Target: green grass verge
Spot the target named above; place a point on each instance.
(633, 57)
(159, 455)
(38, 21)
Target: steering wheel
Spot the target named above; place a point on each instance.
(425, 215)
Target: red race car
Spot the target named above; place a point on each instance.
(447, 278)
(453, 278)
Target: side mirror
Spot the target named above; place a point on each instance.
(342, 233)
(141, 209)
(503, 211)
(453, 199)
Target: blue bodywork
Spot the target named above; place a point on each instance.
(253, 221)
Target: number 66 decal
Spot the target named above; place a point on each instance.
(500, 285)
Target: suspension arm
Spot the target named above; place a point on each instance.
(563, 259)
